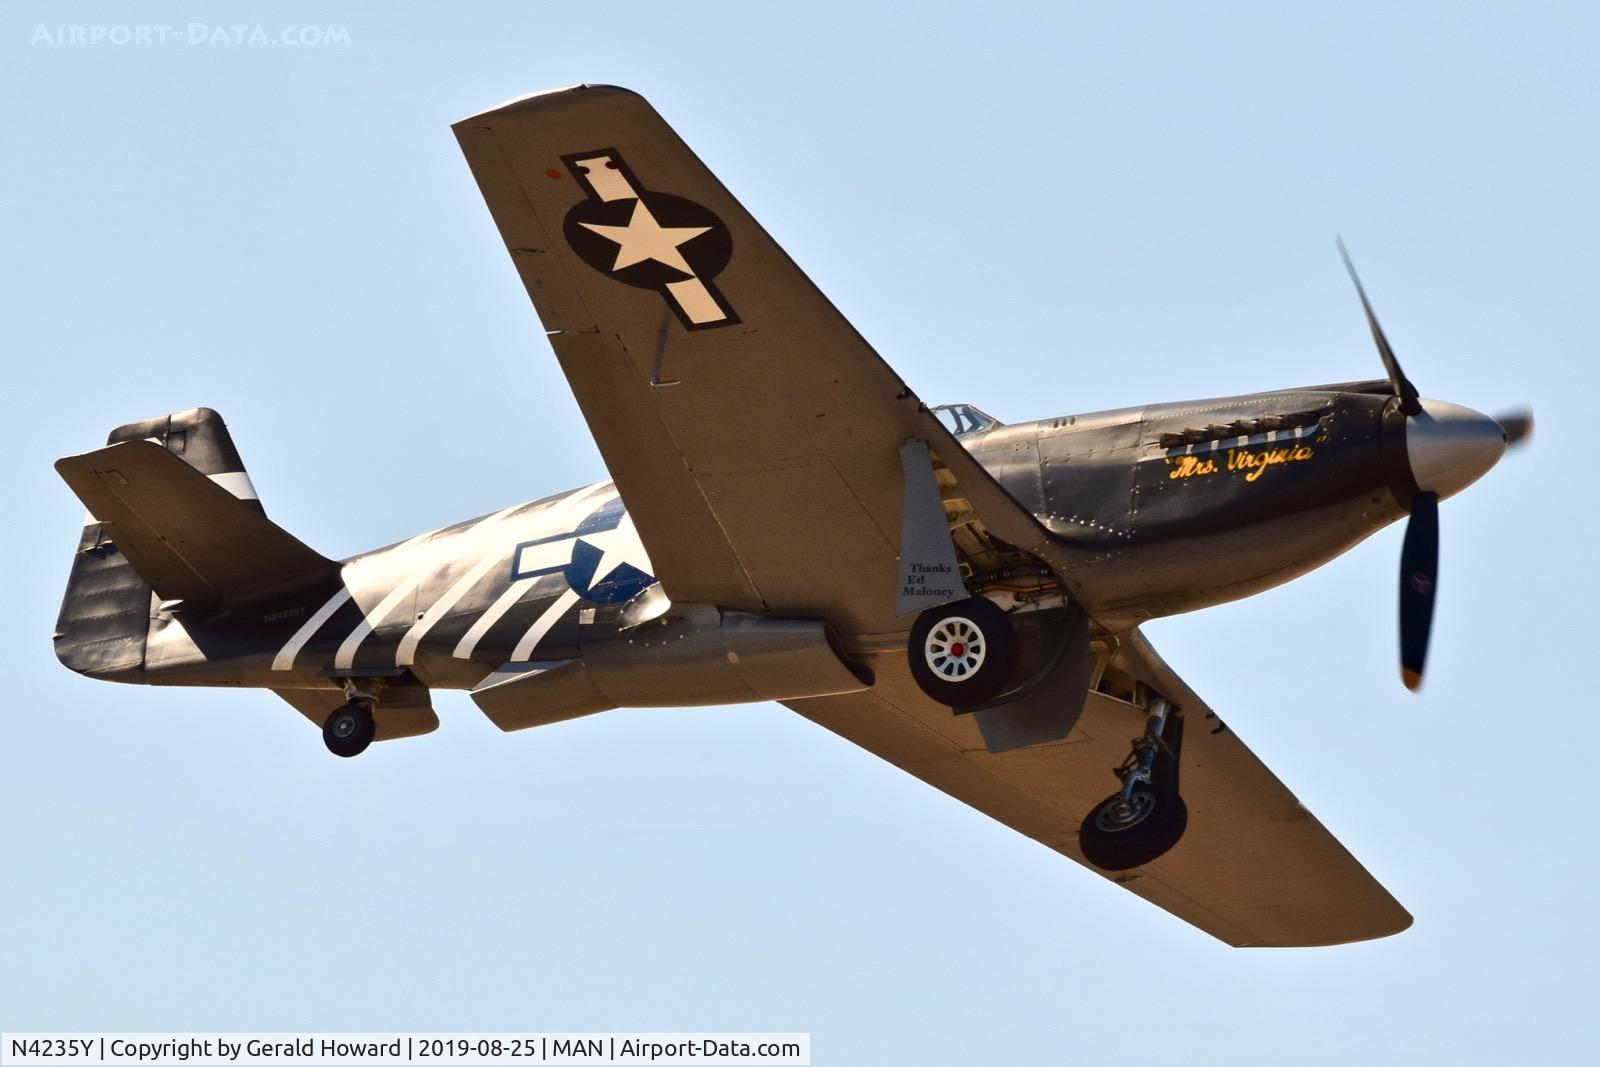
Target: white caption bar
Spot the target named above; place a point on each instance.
(337, 1050)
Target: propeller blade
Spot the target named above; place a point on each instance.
(1402, 385)
(1518, 426)
(1419, 571)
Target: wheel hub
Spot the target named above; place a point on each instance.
(1122, 814)
(955, 648)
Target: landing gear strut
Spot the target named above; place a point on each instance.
(349, 730)
(1146, 817)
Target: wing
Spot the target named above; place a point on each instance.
(1253, 868)
(751, 430)
(756, 437)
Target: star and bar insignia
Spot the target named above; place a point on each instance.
(648, 239)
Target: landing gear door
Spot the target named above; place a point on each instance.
(929, 572)
(1046, 706)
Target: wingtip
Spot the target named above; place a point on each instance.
(1411, 678)
(541, 97)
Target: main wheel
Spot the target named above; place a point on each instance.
(1119, 835)
(349, 730)
(962, 654)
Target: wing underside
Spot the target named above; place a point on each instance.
(1254, 867)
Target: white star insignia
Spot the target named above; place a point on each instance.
(644, 238)
(618, 547)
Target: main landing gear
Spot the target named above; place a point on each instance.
(962, 654)
(350, 729)
(1146, 817)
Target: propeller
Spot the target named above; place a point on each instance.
(1409, 402)
(1446, 447)
(1518, 426)
(1419, 576)
(1419, 553)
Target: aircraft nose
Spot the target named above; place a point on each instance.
(1449, 446)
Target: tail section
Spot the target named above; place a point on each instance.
(172, 518)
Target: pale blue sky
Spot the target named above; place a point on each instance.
(1041, 210)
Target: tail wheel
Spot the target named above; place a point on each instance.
(962, 654)
(349, 730)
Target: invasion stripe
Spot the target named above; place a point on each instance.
(369, 622)
(542, 626)
(286, 655)
(285, 658)
(491, 615)
(406, 654)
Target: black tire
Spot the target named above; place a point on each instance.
(985, 666)
(1159, 818)
(349, 730)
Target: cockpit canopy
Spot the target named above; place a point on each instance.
(964, 420)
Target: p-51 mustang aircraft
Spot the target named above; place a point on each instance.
(788, 521)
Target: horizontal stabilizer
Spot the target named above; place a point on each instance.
(189, 537)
